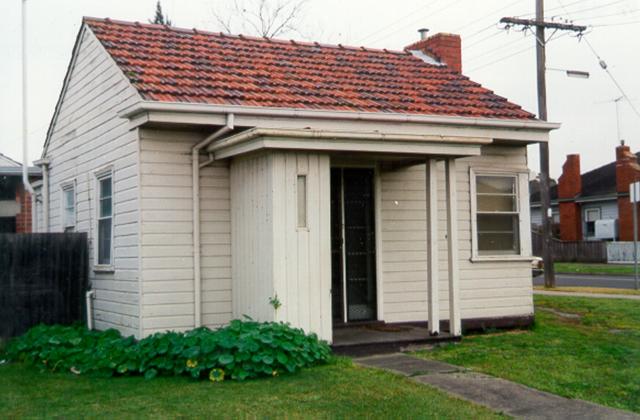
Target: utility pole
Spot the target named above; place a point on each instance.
(545, 201)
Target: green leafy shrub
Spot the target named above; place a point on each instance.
(241, 350)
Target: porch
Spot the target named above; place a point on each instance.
(321, 201)
(378, 338)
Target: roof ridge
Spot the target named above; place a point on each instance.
(196, 31)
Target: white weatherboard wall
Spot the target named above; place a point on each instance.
(167, 234)
(271, 254)
(487, 289)
(87, 135)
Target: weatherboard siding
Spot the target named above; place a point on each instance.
(487, 289)
(167, 234)
(88, 136)
(272, 255)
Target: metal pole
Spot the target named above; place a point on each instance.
(634, 203)
(545, 201)
(25, 149)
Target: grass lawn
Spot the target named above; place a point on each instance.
(581, 268)
(338, 390)
(579, 347)
(581, 289)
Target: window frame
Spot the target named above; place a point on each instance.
(99, 176)
(523, 214)
(588, 210)
(302, 218)
(64, 187)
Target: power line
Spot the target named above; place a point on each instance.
(631, 12)
(484, 39)
(633, 22)
(396, 21)
(473, 22)
(450, 4)
(529, 48)
(604, 66)
(491, 52)
(602, 6)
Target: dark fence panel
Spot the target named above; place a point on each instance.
(572, 251)
(43, 279)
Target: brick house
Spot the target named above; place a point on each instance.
(15, 202)
(580, 200)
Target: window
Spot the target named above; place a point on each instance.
(105, 219)
(590, 217)
(302, 201)
(69, 207)
(497, 215)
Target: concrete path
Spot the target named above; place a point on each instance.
(498, 394)
(591, 280)
(591, 295)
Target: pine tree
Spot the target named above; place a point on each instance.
(160, 18)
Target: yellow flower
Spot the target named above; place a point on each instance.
(274, 373)
(216, 375)
(192, 363)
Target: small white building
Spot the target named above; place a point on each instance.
(213, 173)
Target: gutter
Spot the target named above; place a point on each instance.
(352, 135)
(44, 164)
(180, 107)
(195, 170)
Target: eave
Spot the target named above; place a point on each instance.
(171, 113)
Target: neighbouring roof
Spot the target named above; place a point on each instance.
(169, 64)
(10, 167)
(599, 182)
(6, 161)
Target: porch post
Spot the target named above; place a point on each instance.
(455, 324)
(431, 187)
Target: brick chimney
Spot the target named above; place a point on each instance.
(627, 171)
(446, 48)
(569, 188)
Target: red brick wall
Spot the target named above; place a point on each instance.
(569, 187)
(447, 48)
(627, 171)
(23, 219)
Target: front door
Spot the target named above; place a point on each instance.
(353, 248)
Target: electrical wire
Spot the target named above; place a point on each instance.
(604, 66)
(492, 52)
(448, 5)
(473, 22)
(395, 22)
(633, 22)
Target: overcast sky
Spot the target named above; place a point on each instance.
(503, 61)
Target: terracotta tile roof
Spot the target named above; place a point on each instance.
(176, 65)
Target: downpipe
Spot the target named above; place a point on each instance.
(195, 170)
(89, 305)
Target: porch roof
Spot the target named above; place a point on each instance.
(346, 141)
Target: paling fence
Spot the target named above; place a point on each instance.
(43, 279)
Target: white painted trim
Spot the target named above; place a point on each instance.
(455, 322)
(104, 172)
(66, 185)
(431, 189)
(188, 108)
(377, 191)
(524, 218)
(339, 145)
(140, 234)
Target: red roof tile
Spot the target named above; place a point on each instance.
(176, 65)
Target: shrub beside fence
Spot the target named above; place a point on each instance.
(572, 251)
(43, 279)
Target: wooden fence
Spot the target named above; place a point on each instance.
(572, 251)
(43, 279)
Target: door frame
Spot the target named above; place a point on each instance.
(377, 215)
